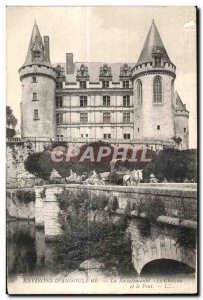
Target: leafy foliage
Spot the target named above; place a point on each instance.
(83, 239)
(11, 122)
(10, 132)
(187, 238)
(174, 165)
(99, 202)
(25, 196)
(113, 205)
(153, 208)
(39, 164)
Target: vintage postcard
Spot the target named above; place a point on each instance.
(101, 124)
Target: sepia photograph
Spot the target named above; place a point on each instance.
(101, 150)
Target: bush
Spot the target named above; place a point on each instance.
(83, 239)
(25, 196)
(98, 202)
(113, 205)
(174, 165)
(153, 208)
(10, 132)
(187, 238)
(39, 164)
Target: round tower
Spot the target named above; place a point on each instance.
(153, 83)
(38, 78)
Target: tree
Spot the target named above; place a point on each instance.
(174, 165)
(11, 122)
(39, 164)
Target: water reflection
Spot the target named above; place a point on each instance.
(25, 248)
(28, 254)
(21, 248)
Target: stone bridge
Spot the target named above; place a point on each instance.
(162, 218)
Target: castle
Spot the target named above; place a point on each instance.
(123, 103)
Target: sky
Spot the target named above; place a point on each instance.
(110, 34)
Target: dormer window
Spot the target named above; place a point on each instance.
(59, 85)
(126, 84)
(105, 84)
(36, 54)
(83, 85)
(157, 61)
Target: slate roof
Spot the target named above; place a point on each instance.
(36, 44)
(178, 103)
(94, 70)
(153, 44)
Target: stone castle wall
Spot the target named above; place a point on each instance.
(44, 87)
(149, 115)
(16, 175)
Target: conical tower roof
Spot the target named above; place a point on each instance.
(153, 44)
(36, 44)
(179, 103)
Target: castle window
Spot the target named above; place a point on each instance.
(81, 135)
(83, 101)
(36, 115)
(34, 97)
(184, 130)
(157, 61)
(83, 118)
(36, 54)
(139, 92)
(126, 117)
(59, 101)
(106, 117)
(86, 135)
(138, 129)
(158, 127)
(59, 137)
(106, 100)
(157, 90)
(59, 85)
(105, 84)
(59, 118)
(107, 136)
(126, 84)
(126, 136)
(83, 85)
(126, 100)
(34, 79)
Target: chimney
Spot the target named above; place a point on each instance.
(69, 63)
(46, 49)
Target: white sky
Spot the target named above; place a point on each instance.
(111, 34)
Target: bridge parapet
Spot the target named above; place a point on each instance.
(173, 204)
(162, 217)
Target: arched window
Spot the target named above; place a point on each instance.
(157, 89)
(139, 92)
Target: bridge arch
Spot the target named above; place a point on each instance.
(162, 248)
(166, 267)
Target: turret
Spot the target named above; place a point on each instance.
(38, 90)
(181, 116)
(153, 83)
